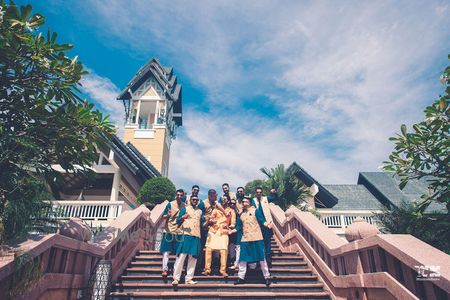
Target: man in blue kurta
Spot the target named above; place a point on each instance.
(252, 243)
(172, 231)
(262, 204)
(191, 218)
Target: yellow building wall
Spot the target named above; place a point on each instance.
(156, 147)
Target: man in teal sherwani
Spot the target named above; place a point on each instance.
(191, 218)
(172, 231)
(252, 243)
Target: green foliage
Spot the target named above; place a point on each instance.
(433, 229)
(424, 152)
(291, 191)
(251, 186)
(43, 120)
(26, 204)
(156, 190)
(27, 271)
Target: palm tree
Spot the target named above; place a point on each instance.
(291, 191)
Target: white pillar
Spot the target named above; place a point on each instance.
(114, 194)
(156, 113)
(115, 186)
(138, 112)
(130, 113)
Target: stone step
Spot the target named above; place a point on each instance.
(276, 251)
(275, 264)
(226, 295)
(282, 258)
(307, 277)
(291, 279)
(274, 270)
(173, 257)
(218, 287)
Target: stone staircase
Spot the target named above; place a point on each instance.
(292, 278)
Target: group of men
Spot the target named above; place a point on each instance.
(235, 225)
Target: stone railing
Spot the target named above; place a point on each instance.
(383, 266)
(54, 266)
(94, 213)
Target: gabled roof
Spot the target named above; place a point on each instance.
(384, 186)
(353, 197)
(324, 197)
(165, 78)
(133, 160)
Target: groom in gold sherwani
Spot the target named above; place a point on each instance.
(220, 221)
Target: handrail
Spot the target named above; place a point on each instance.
(378, 264)
(68, 263)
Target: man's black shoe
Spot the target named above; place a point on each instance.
(268, 281)
(239, 281)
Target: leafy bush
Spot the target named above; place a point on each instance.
(156, 190)
(433, 229)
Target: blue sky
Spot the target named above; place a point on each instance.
(266, 82)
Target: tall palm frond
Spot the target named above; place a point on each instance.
(291, 191)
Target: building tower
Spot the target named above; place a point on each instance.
(153, 111)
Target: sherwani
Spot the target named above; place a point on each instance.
(218, 237)
(172, 230)
(190, 244)
(238, 235)
(218, 232)
(207, 209)
(252, 244)
(264, 207)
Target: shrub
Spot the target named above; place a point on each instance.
(156, 190)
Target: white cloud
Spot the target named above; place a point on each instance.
(343, 77)
(104, 92)
(214, 150)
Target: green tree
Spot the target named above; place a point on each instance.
(291, 191)
(432, 228)
(43, 120)
(251, 186)
(156, 190)
(424, 152)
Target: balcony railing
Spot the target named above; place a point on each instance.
(342, 218)
(94, 212)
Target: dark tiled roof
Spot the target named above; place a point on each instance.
(385, 187)
(165, 78)
(323, 197)
(134, 160)
(353, 197)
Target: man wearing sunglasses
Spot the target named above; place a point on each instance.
(172, 231)
(262, 203)
(190, 218)
(194, 192)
